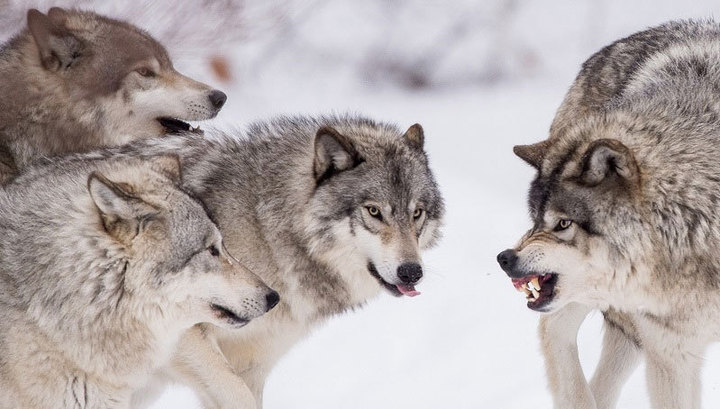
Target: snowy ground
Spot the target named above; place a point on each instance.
(468, 341)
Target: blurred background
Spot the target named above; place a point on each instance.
(480, 76)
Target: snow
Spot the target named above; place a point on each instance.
(468, 341)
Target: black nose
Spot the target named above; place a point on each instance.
(272, 299)
(409, 273)
(217, 98)
(507, 260)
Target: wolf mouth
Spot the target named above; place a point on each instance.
(397, 290)
(539, 289)
(225, 313)
(175, 126)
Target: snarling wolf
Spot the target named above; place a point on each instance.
(329, 211)
(103, 265)
(73, 81)
(625, 209)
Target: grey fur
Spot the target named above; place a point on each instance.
(104, 264)
(290, 197)
(632, 161)
(74, 81)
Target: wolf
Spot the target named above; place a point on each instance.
(624, 209)
(330, 211)
(104, 264)
(74, 81)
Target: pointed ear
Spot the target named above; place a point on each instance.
(415, 136)
(58, 15)
(168, 165)
(334, 153)
(532, 154)
(58, 48)
(120, 211)
(606, 158)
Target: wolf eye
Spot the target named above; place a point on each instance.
(374, 212)
(214, 251)
(145, 72)
(563, 224)
(417, 213)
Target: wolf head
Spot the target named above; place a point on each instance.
(375, 205)
(119, 69)
(173, 252)
(591, 227)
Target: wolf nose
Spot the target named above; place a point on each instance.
(272, 299)
(507, 260)
(410, 273)
(217, 98)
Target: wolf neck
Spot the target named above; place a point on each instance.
(78, 292)
(34, 102)
(100, 320)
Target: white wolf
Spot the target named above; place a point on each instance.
(103, 265)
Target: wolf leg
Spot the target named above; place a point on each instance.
(201, 365)
(558, 337)
(619, 358)
(674, 380)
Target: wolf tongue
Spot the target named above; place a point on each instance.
(408, 290)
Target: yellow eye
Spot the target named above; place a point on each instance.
(374, 211)
(417, 213)
(563, 224)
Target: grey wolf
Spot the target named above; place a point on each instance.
(624, 207)
(329, 211)
(104, 264)
(74, 81)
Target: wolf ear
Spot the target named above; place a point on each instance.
(58, 48)
(415, 136)
(121, 212)
(607, 158)
(334, 153)
(532, 154)
(168, 165)
(57, 15)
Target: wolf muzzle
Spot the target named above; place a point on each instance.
(272, 298)
(508, 261)
(410, 273)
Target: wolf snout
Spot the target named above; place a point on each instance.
(508, 261)
(272, 298)
(410, 273)
(217, 98)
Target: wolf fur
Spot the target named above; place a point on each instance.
(631, 163)
(329, 211)
(103, 265)
(74, 81)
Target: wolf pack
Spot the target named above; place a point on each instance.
(139, 250)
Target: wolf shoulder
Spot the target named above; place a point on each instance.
(678, 58)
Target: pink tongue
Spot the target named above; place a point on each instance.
(408, 290)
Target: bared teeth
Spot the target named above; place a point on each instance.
(535, 294)
(531, 289)
(536, 283)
